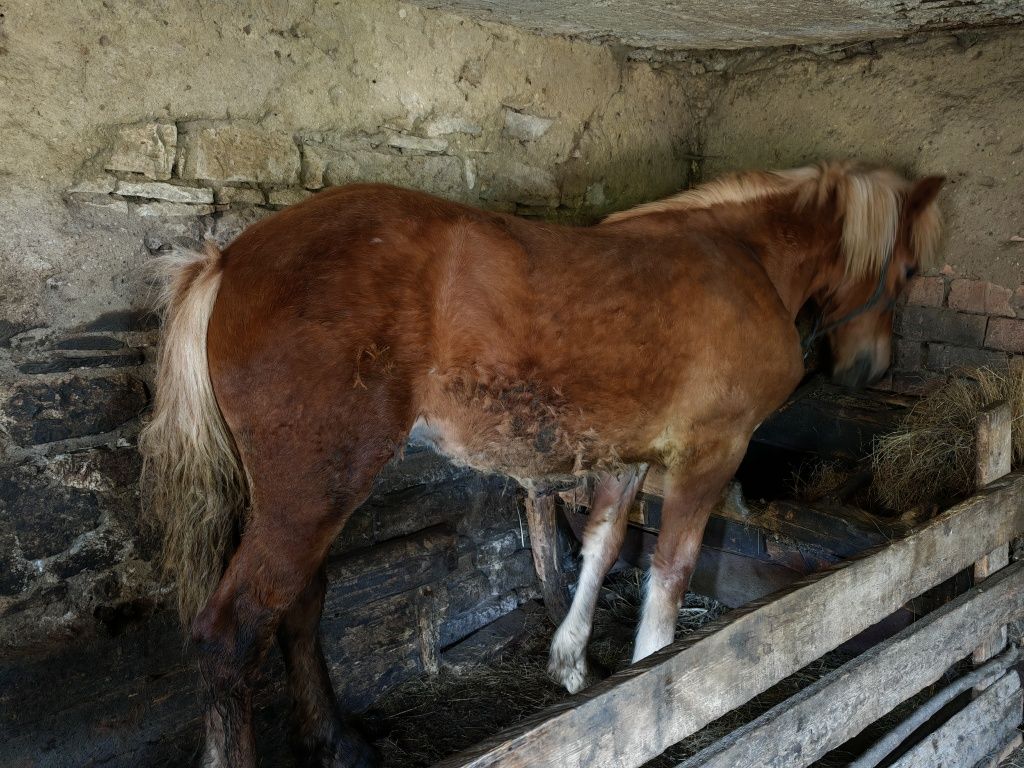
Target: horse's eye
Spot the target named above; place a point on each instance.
(911, 271)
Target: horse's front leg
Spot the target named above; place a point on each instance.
(602, 540)
(691, 493)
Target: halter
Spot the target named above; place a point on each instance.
(817, 331)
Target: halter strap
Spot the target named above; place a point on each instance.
(817, 331)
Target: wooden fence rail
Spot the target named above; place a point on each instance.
(636, 714)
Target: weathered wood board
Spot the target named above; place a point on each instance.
(971, 734)
(840, 705)
(542, 518)
(679, 690)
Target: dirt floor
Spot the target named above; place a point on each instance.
(430, 718)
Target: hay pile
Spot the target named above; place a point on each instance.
(930, 458)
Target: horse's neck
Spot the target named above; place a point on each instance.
(798, 254)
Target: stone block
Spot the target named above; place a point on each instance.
(437, 174)
(449, 124)
(44, 515)
(239, 196)
(908, 355)
(946, 357)
(237, 152)
(525, 127)
(938, 324)
(101, 185)
(513, 181)
(69, 360)
(46, 412)
(158, 190)
(148, 149)
(980, 297)
(926, 291)
(1006, 334)
(123, 320)
(171, 210)
(417, 143)
(282, 198)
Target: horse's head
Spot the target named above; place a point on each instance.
(890, 230)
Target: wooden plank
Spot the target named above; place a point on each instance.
(994, 453)
(968, 736)
(840, 705)
(636, 714)
(542, 518)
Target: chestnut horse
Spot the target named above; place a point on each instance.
(296, 362)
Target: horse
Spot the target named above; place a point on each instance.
(296, 362)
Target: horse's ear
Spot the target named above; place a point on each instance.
(924, 192)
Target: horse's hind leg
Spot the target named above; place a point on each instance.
(274, 577)
(602, 541)
(320, 736)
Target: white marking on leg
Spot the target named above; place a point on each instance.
(658, 619)
(567, 663)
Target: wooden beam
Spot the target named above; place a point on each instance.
(542, 518)
(985, 724)
(636, 714)
(834, 709)
(994, 454)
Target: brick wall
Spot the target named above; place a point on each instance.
(949, 322)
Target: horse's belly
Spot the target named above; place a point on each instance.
(519, 430)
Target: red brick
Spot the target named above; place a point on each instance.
(981, 298)
(926, 291)
(908, 355)
(1005, 334)
(938, 324)
(945, 357)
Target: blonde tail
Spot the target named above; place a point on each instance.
(195, 490)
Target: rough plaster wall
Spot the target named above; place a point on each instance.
(356, 70)
(942, 104)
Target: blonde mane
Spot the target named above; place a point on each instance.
(870, 200)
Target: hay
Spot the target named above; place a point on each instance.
(819, 481)
(931, 456)
(426, 719)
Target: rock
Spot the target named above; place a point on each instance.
(106, 204)
(45, 412)
(8, 330)
(238, 151)
(89, 342)
(516, 182)
(148, 149)
(437, 174)
(239, 196)
(595, 196)
(44, 516)
(417, 143)
(130, 320)
(524, 127)
(161, 191)
(281, 198)
(102, 185)
(449, 124)
(171, 210)
(231, 223)
(313, 167)
(67, 360)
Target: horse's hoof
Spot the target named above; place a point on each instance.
(568, 671)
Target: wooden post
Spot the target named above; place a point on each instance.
(994, 455)
(542, 518)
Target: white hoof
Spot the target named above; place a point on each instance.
(567, 665)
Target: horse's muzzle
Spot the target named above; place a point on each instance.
(860, 372)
